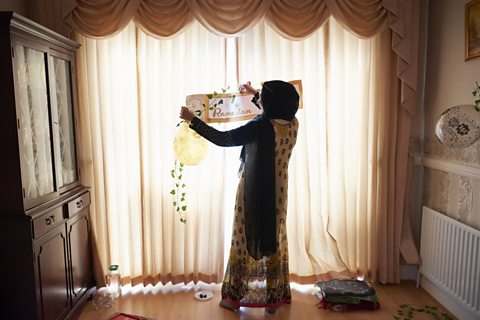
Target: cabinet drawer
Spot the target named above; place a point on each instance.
(47, 222)
(78, 204)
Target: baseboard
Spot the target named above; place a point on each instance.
(449, 302)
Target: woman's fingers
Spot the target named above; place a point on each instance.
(186, 114)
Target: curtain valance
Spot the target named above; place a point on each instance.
(293, 19)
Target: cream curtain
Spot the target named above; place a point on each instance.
(130, 90)
(367, 196)
(336, 170)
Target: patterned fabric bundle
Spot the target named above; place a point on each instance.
(346, 294)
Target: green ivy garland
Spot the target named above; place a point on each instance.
(405, 312)
(179, 191)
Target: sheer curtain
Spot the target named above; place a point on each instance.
(348, 173)
(131, 87)
(336, 167)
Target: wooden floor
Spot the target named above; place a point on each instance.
(178, 302)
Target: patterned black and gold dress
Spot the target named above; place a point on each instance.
(253, 281)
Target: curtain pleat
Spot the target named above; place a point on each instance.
(297, 19)
(228, 17)
(163, 19)
(363, 18)
(104, 18)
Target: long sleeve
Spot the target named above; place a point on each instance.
(236, 137)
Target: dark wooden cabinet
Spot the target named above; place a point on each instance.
(45, 243)
(79, 252)
(52, 274)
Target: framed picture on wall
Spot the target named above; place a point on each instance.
(472, 29)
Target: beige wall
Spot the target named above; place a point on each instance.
(48, 13)
(452, 176)
(19, 6)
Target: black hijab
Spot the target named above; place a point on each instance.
(280, 101)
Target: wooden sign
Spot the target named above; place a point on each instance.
(228, 107)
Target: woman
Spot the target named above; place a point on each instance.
(257, 270)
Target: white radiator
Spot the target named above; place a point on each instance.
(450, 269)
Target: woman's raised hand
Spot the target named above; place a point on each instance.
(186, 114)
(247, 88)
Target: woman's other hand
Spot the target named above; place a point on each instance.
(186, 114)
(247, 88)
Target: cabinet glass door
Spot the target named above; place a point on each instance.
(34, 122)
(61, 93)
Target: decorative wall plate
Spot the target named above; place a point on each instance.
(459, 126)
(190, 147)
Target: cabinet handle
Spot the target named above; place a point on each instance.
(50, 220)
(79, 204)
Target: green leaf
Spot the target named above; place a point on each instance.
(184, 208)
(215, 93)
(224, 90)
(183, 194)
(474, 93)
(183, 185)
(220, 102)
(172, 173)
(174, 203)
(210, 96)
(172, 192)
(210, 108)
(180, 177)
(178, 209)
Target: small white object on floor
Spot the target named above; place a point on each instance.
(203, 295)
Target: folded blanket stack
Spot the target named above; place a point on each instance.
(346, 294)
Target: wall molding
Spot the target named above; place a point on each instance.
(451, 167)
